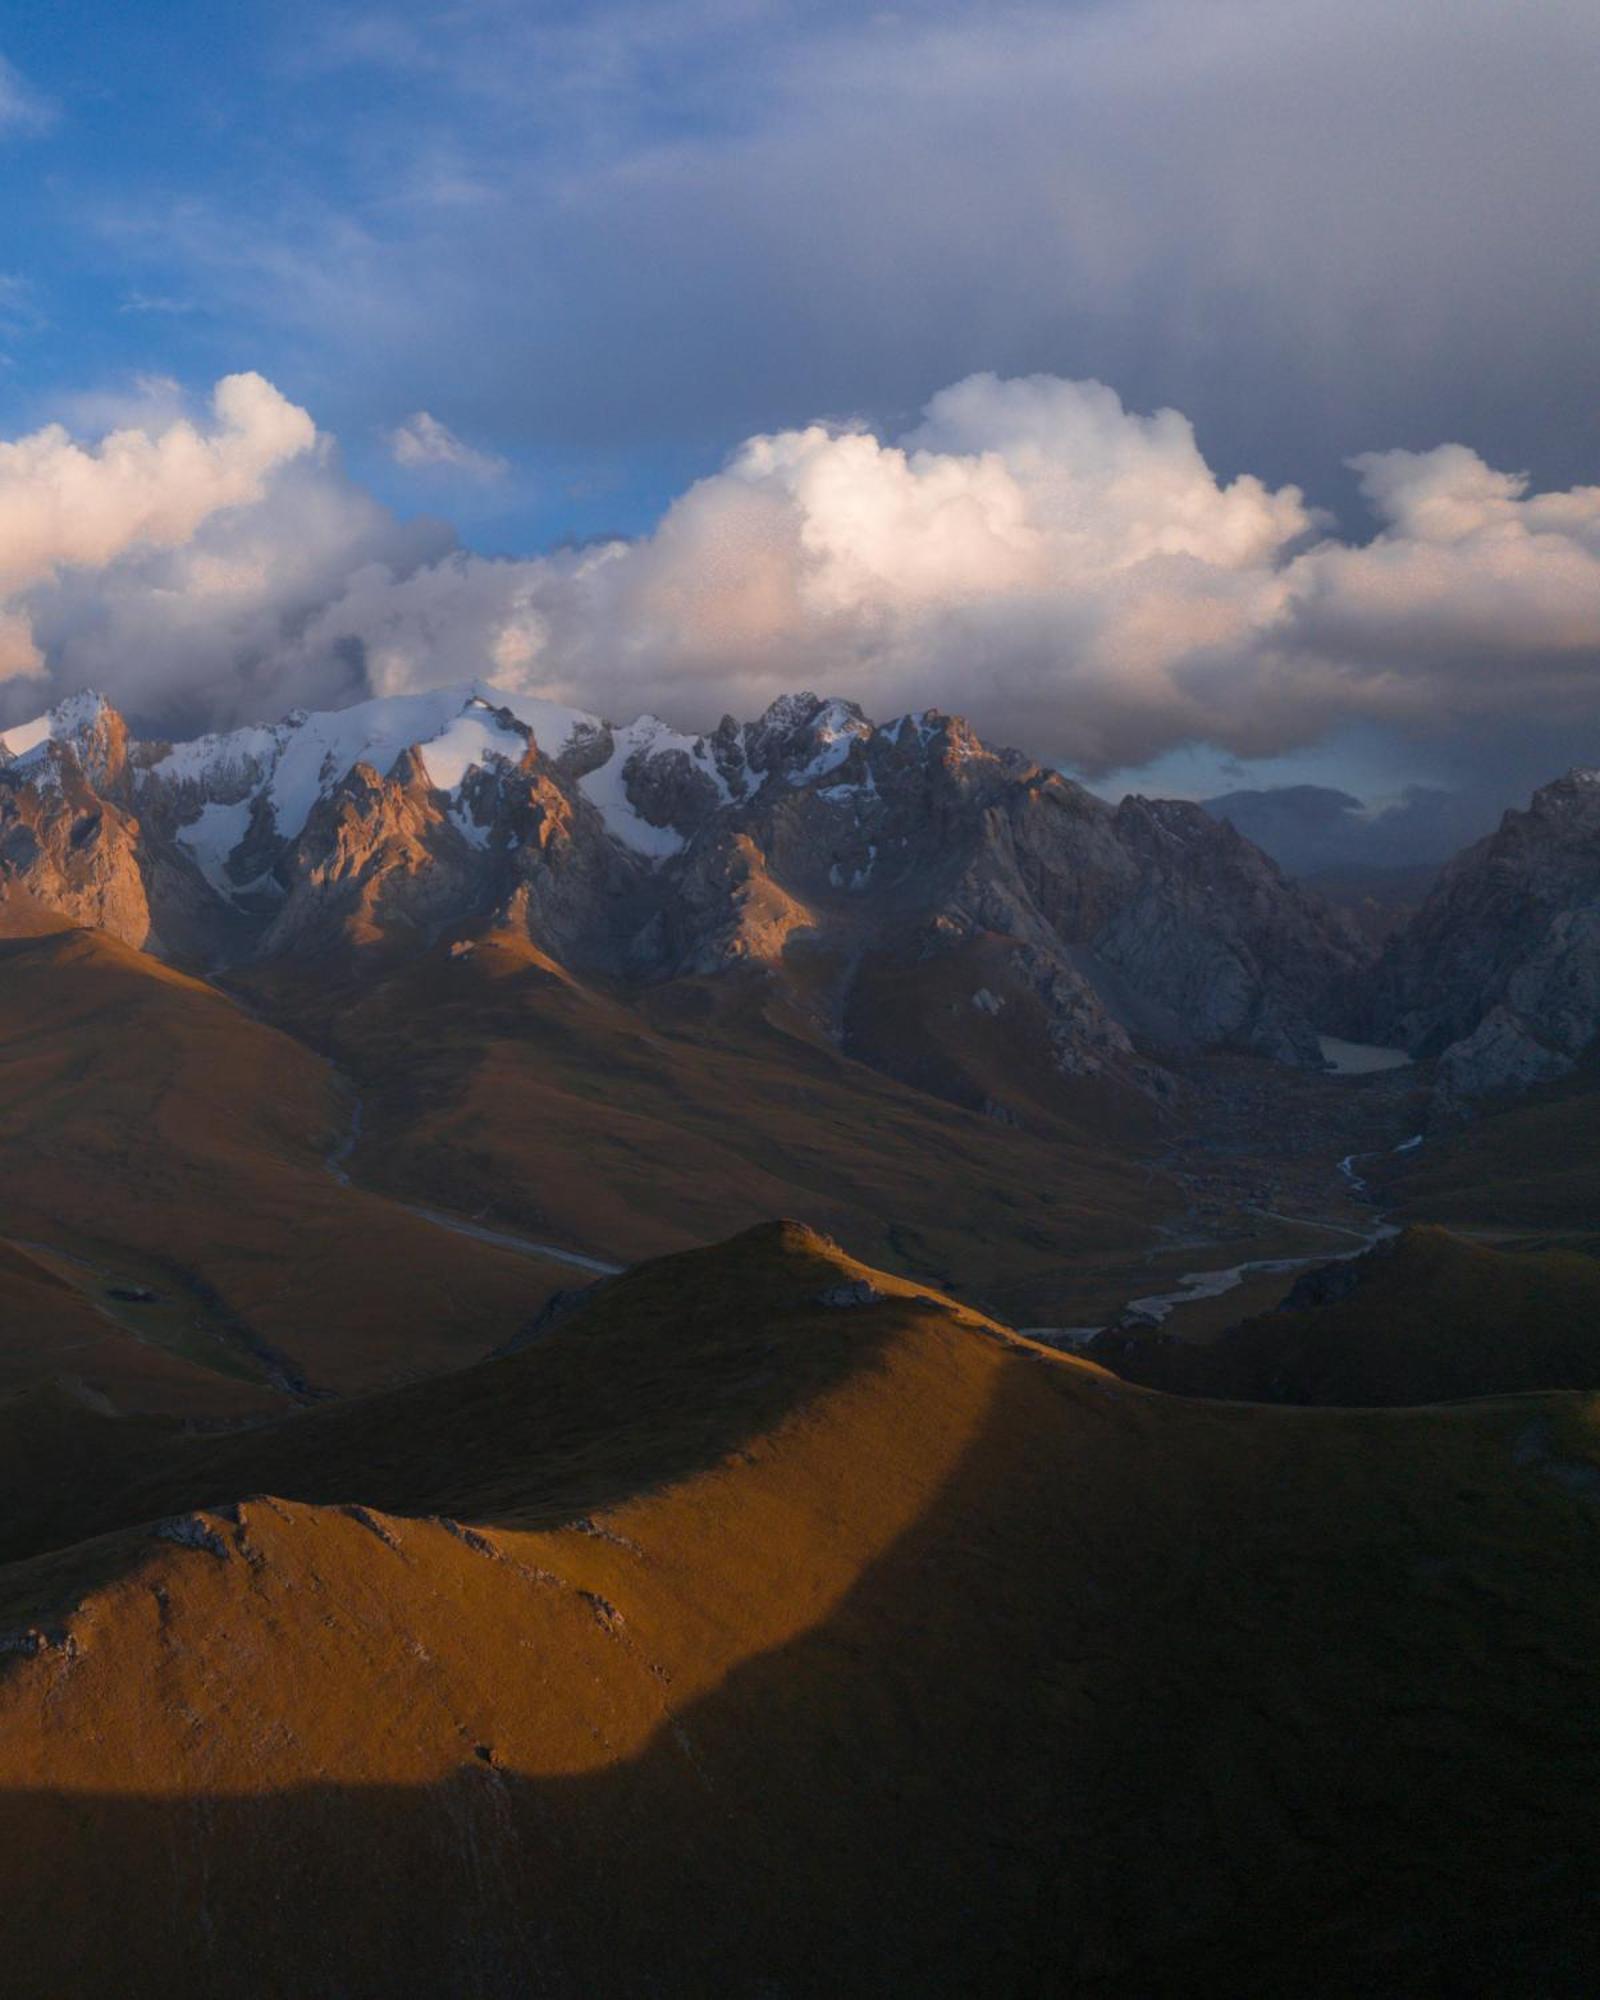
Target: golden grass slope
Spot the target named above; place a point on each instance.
(155, 1137)
(633, 1126)
(726, 1640)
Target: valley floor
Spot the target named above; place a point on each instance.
(1256, 1155)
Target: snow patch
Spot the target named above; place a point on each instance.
(28, 736)
(859, 877)
(918, 722)
(28, 742)
(607, 793)
(302, 759)
(471, 740)
(461, 819)
(835, 731)
(212, 837)
(220, 763)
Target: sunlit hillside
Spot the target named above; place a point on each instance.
(770, 1625)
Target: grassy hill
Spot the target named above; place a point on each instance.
(636, 1125)
(157, 1140)
(1532, 1168)
(726, 1638)
(57, 1323)
(1427, 1317)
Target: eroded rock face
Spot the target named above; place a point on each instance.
(1498, 975)
(1146, 922)
(835, 857)
(64, 839)
(669, 789)
(376, 856)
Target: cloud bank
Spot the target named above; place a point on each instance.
(1312, 225)
(66, 507)
(1071, 574)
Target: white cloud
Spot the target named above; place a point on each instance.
(1071, 574)
(422, 441)
(23, 110)
(66, 506)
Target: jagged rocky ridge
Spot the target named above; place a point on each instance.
(1498, 975)
(812, 845)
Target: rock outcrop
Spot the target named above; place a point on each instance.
(1498, 975)
(65, 838)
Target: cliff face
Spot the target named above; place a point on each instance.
(1498, 975)
(66, 838)
(811, 845)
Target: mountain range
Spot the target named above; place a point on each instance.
(858, 866)
(812, 844)
(1317, 830)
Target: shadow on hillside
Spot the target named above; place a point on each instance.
(1129, 1710)
(671, 1369)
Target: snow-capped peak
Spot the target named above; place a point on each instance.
(69, 721)
(606, 787)
(833, 733)
(288, 766)
(300, 760)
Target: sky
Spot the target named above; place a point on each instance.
(1198, 396)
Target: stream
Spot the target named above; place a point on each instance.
(1196, 1285)
(1344, 1059)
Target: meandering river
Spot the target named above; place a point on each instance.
(1343, 1059)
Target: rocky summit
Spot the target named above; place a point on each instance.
(1498, 975)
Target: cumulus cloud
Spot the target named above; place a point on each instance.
(422, 441)
(213, 632)
(1073, 575)
(65, 506)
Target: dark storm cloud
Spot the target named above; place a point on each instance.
(1314, 228)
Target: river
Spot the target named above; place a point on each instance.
(1345, 1059)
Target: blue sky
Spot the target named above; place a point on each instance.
(603, 244)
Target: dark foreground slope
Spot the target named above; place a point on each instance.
(1532, 1167)
(730, 1639)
